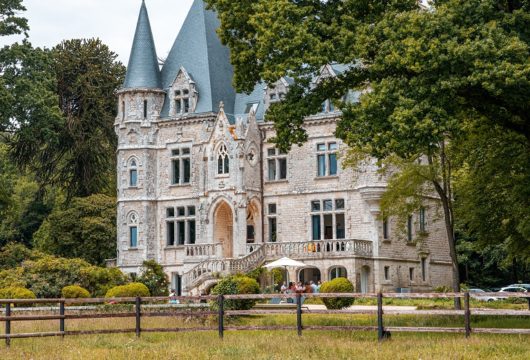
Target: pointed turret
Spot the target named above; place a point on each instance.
(143, 71)
(199, 51)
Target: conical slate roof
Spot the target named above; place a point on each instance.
(199, 50)
(143, 70)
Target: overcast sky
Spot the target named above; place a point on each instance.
(113, 21)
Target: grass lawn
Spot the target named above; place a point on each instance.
(282, 345)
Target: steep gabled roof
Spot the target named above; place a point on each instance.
(199, 50)
(143, 70)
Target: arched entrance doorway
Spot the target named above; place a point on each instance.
(365, 275)
(309, 274)
(223, 228)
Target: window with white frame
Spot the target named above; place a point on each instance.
(180, 166)
(223, 160)
(180, 225)
(133, 229)
(327, 159)
(276, 164)
(273, 224)
(328, 219)
(133, 173)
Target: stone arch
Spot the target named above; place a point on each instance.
(336, 271)
(223, 227)
(309, 273)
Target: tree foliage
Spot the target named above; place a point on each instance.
(85, 228)
(71, 144)
(153, 276)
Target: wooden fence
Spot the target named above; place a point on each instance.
(382, 330)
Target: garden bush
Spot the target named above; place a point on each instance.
(15, 292)
(337, 285)
(233, 285)
(74, 292)
(129, 290)
(154, 277)
(98, 280)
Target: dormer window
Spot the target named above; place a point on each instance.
(185, 95)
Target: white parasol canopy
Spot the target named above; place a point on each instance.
(283, 262)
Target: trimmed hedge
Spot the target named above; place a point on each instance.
(233, 285)
(129, 290)
(337, 285)
(15, 292)
(74, 292)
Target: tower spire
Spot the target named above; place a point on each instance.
(143, 70)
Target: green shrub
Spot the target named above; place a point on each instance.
(129, 290)
(74, 292)
(233, 285)
(337, 285)
(15, 292)
(98, 280)
(12, 278)
(154, 277)
(442, 289)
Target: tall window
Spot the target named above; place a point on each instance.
(423, 269)
(223, 161)
(181, 166)
(387, 272)
(327, 159)
(411, 274)
(133, 230)
(133, 174)
(145, 109)
(385, 229)
(409, 228)
(277, 164)
(182, 101)
(327, 106)
(123, 110)
(180, 225)
(272, 223)
(327, 219)
(423, 226)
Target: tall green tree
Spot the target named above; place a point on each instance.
(428, 73)
(85, 228)
(10, 22)
(75, 149)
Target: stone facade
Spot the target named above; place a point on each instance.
(208, 193)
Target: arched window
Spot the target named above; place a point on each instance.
(223, 161)
(133, 174)
(133, 229)
(337, 271)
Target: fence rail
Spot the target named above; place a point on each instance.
(382, 330)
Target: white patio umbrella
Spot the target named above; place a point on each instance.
(285, 262)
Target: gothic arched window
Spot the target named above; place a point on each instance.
(223, 161)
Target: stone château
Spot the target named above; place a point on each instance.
(203, 191)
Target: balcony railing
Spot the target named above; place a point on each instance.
(314, 248)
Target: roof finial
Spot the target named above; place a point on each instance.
(221, 106)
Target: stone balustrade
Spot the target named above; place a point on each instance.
(204, 250)
(314, 248)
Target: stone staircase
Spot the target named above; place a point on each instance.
(207, 271)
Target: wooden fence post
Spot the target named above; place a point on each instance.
(220, 304)
(299, 313)
(380, 329)
(528, 298)
(61, 321)
(467, 314)
(138, 315)
(8, 324)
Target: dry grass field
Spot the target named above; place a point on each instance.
(282, 345)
